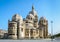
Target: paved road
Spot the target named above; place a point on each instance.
(46, 40)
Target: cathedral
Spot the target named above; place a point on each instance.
(29, 27)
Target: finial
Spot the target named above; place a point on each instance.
(32, 7)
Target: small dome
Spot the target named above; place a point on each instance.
(43, 21)
(16, 17)
(42, 18)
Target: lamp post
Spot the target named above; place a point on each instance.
(52, 30)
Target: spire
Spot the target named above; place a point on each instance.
(32, 7)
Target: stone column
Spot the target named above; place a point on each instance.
(29, 34)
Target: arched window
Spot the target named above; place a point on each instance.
(44, 21)
(22, 29)
(26, 21)
(36, 16)
(31, 18)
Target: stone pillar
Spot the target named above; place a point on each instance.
(29, 34)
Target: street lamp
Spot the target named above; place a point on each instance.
(52, 30)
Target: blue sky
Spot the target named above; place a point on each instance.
(47, 8)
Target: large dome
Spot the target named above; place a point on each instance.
(30, 16)
(33, 12)
(16, 17)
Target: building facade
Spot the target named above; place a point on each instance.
(29, 27)
(3, 34)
